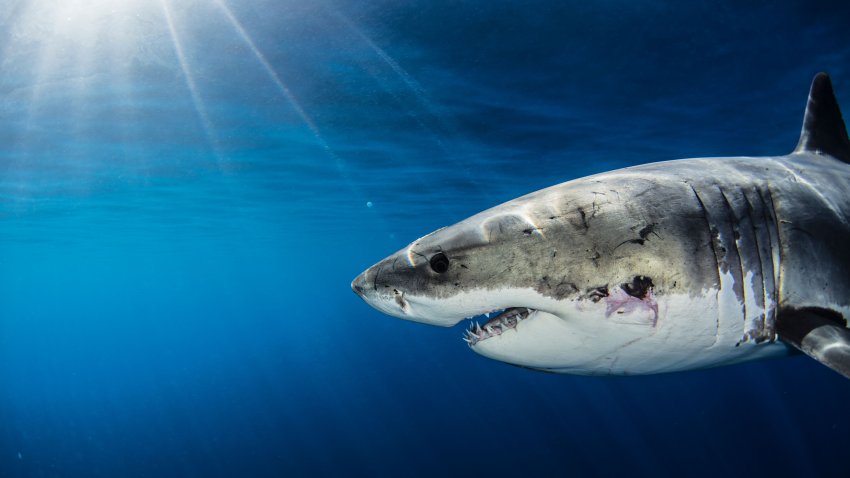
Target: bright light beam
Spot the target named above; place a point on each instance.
(287, 94)
(201, 111)
(402, 74)
(405, 77)
(413, 86)
(284, 90)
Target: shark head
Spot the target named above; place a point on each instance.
(563, 279)
(473, 268)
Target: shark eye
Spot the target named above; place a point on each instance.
(439, 263)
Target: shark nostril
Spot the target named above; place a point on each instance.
(357, 286)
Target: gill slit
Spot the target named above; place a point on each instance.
(757, 242)
(771, 291)
(716, 263)
(711, 234)
(778, 252)
(733, 222)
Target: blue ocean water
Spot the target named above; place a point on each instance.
(187, 189)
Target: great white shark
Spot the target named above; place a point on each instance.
(661, 267)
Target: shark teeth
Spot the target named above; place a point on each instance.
(509, 319)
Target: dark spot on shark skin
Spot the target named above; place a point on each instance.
(594, 257)
(647, 230)
(631, 241)
(639, 287)
(643, 234)
(527, 232)
(581, 223)
(758, 334)
(598, 293)
(564, 289)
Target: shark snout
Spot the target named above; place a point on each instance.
(371, 285)
(359, 285)
(379, 295)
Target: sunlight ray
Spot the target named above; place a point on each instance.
(46, 59)
(402, 74)
(39, 26)
(200, 109)
(290, 98)
(83, 72)
(281, 86)
(127, 119)
(418, 93)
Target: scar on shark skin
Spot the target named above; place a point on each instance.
(643, 235)
(399, 299)
(634, 297)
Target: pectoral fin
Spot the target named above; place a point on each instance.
(819, 333)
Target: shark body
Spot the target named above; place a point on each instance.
(662, 267)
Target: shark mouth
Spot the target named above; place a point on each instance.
(505, 320)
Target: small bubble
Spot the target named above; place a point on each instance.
(369, 204)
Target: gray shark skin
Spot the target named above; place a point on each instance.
(662, 267)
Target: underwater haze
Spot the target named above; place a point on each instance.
(187, 189)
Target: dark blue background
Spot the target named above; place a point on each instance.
(177, 240)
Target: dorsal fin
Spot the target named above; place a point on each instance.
(823, 127)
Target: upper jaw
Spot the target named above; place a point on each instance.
(396, 304)
(502, 322)
(448, 312)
